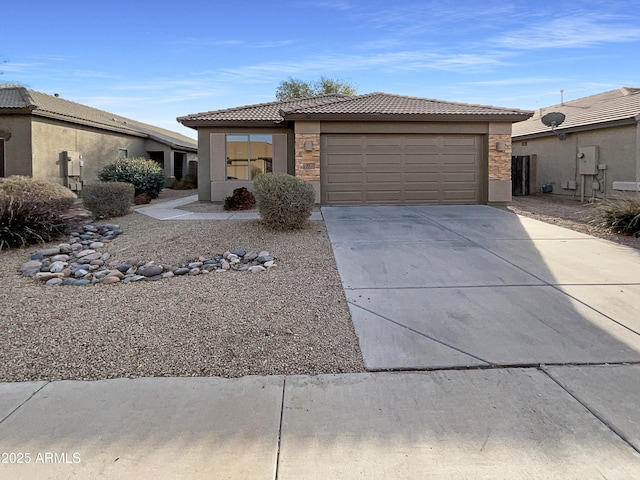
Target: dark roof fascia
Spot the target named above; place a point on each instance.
(581, 128)
(173, 146)
(88, 123)
(16, 111)
(195, 124)
(336, 117)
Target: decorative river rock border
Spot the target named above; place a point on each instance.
(80, 261)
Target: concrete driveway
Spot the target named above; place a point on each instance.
(433, 287)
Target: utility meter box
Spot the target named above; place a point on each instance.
(73, 163)
(588, 160)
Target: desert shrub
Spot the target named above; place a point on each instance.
(620, 215)
(142, 199)
(57, 198)
(188, 182)
(284, 202)
(26, 220)
(108, 199)
(241, 199)
(146, 176)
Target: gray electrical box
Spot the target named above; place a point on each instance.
(73, 163)
(588, 160)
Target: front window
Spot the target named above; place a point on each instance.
(123, 153)
(248, 156)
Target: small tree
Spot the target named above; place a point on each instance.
(296, 88)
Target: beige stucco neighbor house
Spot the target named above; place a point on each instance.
(365, 149)
(53, 139)
(596, 151)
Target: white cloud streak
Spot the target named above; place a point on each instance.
(571, 32)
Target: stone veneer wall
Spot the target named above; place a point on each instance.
(499, 162)
(308, 162)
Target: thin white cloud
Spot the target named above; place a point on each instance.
(17, 67)
(392, 61)
(213, 42)
(332, 4)
(514, 81)
(571, 32)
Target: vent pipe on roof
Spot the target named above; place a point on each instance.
(561, 97)
(56, 95)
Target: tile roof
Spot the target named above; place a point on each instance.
(372, 105)
(13, 98)
(595, 111)
(268, 112)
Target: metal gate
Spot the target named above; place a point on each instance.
(520, 175)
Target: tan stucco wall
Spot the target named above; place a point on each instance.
(557, 159)
(211, 145)
(51, 138)
(16, 131)
(212, 176)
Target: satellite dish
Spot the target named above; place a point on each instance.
(553, 120)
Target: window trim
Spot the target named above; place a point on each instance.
(249, 159)
(3, 158)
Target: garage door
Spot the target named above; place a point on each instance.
(401, 169)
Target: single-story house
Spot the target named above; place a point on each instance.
(365, 149)
(594, 152)
(47, 137)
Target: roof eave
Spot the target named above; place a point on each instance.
(200, 123)
(87, 123)
(376, 117)
(579, 128)
(16, 110)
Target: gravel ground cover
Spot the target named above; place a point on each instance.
(567, 213)
(290, 320)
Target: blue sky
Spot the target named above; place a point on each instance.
(156, 60)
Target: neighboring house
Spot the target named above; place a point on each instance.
(595, 153)
(366, 149)
(52, 139)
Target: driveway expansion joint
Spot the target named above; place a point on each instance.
(23, 403)
(602, 420)
(278, 446)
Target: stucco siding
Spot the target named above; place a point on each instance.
(212, 175)
(16, 131)
(557, 160)
(51, 138)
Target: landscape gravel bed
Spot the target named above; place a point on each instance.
(290, 320)
(568, 213)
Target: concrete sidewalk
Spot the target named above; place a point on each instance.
(487, 423)
(530, 370)
(170, 210)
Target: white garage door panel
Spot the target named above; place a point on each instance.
(401, 169)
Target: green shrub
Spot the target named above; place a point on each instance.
(109, 199)
(620, 215)
(188, 182)
(58, 198)
(241, 199)
(26, 220)
(284, 202)
(147, 176)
